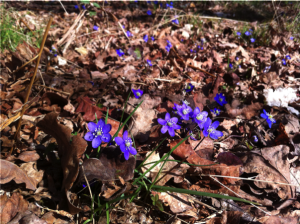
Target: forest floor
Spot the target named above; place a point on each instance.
(150, 112)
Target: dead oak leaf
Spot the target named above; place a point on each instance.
(88, 108)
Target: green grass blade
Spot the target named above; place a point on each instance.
(199, 193)
(106, 117)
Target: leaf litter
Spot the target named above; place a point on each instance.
(95, 56)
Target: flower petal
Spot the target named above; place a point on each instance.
(92, 126)
(101, 123)
(205, 132)
(164, 129)
(216, 134)
(125, 135)
(174, 120)
(96, 142)
(89, 136)
(207, 123)
(263, 116)
(106, 128)
(126, 155)
(176, 126)
(119, 140)
(196, 111)
(132, 150)
(161, 121)
(167, 117)
(106, 137)
(171, 132)
(123, 148)
(269, 123)
(215, 124)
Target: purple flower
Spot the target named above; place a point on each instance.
(120, 52)
(230, 66)
(210, 129)
(236, 58)
(238, 33)
(247, 33)
(145, 38)
(129, 34)
(149, 62)
(220, 98)
(55, 55)
(199, 117)
(76, 7)
(252, 40)
(292, 38)
(269, 118)
(192, 136)
(98, 133)
(189, 88)
(169, 124)
(95, 27)
(83, 7)
(216, 111)
(251, 31)
(152, 38)
(155, 2)
(125, 144)
(169, 5)
(149, 12)
(137, 93)
(175, 21)
(191, 50)
(255, 139)
(169, 45)
(184, 111)
(288, 57)
(283, 62)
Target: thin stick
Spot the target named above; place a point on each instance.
(26, 63)
(63, 7)
(32, 80)
(87, 183)
(53, 89)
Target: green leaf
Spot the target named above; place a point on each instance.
(96, 4)
(92, 13)
(85, 1)
(138, 53)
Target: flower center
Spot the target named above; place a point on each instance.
(170, 123)
(138, 94)
(199, 117)
(185, 111)
(189, 87)
(127, 144)
(210, 130)
(217, 112)
(220, 99)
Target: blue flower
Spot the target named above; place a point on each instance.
(149, 62)
(230, 66)
(125, 144)
(189, 88)
(145, 38)
(199, 117)
(216, 111)
(251, 31)
(137, 93)
(292, 38)
(283, 62)
(155, 2)
(129, 34)
(247, 33)
(169, 124)
(192, 136)
(95, 27)
(55, 55)
(236, 58)
(269, 118)
(120, 52)
(184, 111)
(76, 7)
(83, 7)
(288, 57)
(191, 50)
(98, 133)
(252, 40)
(152, 38)
(255, 139)
(238, 33)
(220, 98)
(210, 129)
(169, 45)
(149, 12)
(175, 21)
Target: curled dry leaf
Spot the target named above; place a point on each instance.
(10, 171)
(88, 108)
(31, 171)
(69, 149)
(111, 163)
(11, 206)
(29, 156)
(170, 169)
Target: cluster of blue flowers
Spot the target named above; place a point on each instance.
(247, 33)
(284, 61)
(53, 51)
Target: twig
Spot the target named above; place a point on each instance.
(53, 89)
(63, 7)
(31, 81)
(87, 183)
(26, 63)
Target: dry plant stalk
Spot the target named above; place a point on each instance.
(31, 81)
